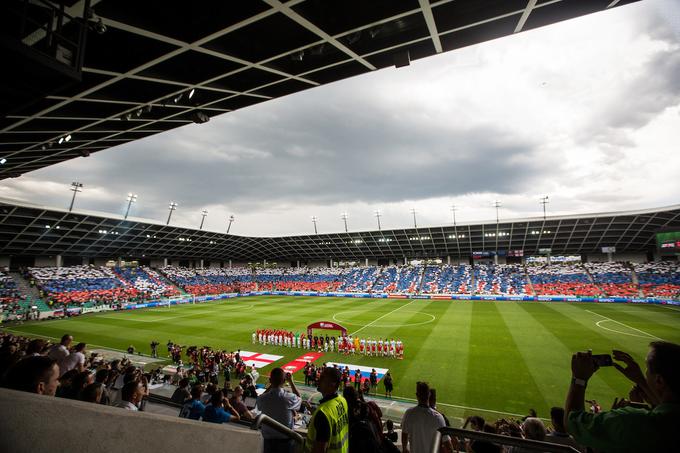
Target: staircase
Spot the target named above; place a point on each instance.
(169, 282)
(634, 279)
(531, 285)
(592, 280)
(421, 277)
(24, 287)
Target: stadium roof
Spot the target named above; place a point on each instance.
(33, 230)
(151, 66)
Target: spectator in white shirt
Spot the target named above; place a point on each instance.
(74, 361)
(59, 352)
(419, 425)
(131, 394)
(280, 405)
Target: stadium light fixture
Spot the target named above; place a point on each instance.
(61, 140)
(75, 187)
(415, 223)
(497, 204)
(3, 161)
(203, 214)
(67, 138)
(314, 220)
(172, 206)
(231, 220)
(131, 198)
(344, 217)
(544, 201)
(377, 216)
(191, 93)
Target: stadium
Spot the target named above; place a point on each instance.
(154, 316)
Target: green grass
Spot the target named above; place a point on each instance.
(487, 358)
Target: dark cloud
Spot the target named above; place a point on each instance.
(321, 148)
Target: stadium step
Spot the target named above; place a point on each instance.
(24, 287)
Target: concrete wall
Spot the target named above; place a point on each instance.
(35, 423)
(45, 261)
(157, 263)
(632, 257)
(4, 261)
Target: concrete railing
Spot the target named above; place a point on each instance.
(34, 423)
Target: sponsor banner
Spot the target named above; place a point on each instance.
(97, 309)
(421, 296)
(515, 297)
(74, 310)
(258, 360)
(441, 297)
(397, 296)
(300, 362)
(365, 370)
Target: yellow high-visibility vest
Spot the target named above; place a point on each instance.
(337, 415)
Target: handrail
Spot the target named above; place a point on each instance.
(500, 439)
(263, 419)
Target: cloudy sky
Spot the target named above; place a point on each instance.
(586, 111)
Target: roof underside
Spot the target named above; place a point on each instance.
(233, 54)
(38, 231)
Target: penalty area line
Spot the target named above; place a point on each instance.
(649, 335)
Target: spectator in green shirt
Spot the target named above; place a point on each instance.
(628, 428)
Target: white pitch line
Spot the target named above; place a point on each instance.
(649, 335)
(378, 319)
(670, 308)
(466, 407)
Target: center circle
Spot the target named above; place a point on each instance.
(336, 317)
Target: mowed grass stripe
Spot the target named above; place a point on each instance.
(570, 337)
(608, 383)
(498, 377)
(550, 371)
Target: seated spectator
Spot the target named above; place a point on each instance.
(78, 383)
(629, 428)
(193, 408)
(391, 435)
(237, 403)
(182, 393)
(34, 374)
(131, 395)
(533, 429)
(419, 424)
(102, 377)
(92, 393)
(215, 411)
(559, 434)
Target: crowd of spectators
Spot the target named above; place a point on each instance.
(659, 279)
(62, 287)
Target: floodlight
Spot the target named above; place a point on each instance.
(68, 138)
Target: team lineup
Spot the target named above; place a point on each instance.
(344, 344)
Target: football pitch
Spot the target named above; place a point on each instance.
(487, 358)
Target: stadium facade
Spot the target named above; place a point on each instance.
(31, 234)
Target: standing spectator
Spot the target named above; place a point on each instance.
(59, 352)
(329, 426)
(357, 379)
(419, 425)
(154, 349)
(34, 374)
(215, 412)
(629, 428)
(74, 361)
(374, 380)
(280, 405)
(389, 385)
(131, 395)
(102, 377)
(432, 402)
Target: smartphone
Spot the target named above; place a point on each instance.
(603, 360)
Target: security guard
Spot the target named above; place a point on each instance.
(328, 430)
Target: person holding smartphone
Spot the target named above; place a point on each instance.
(280, 404)
(629, 428)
